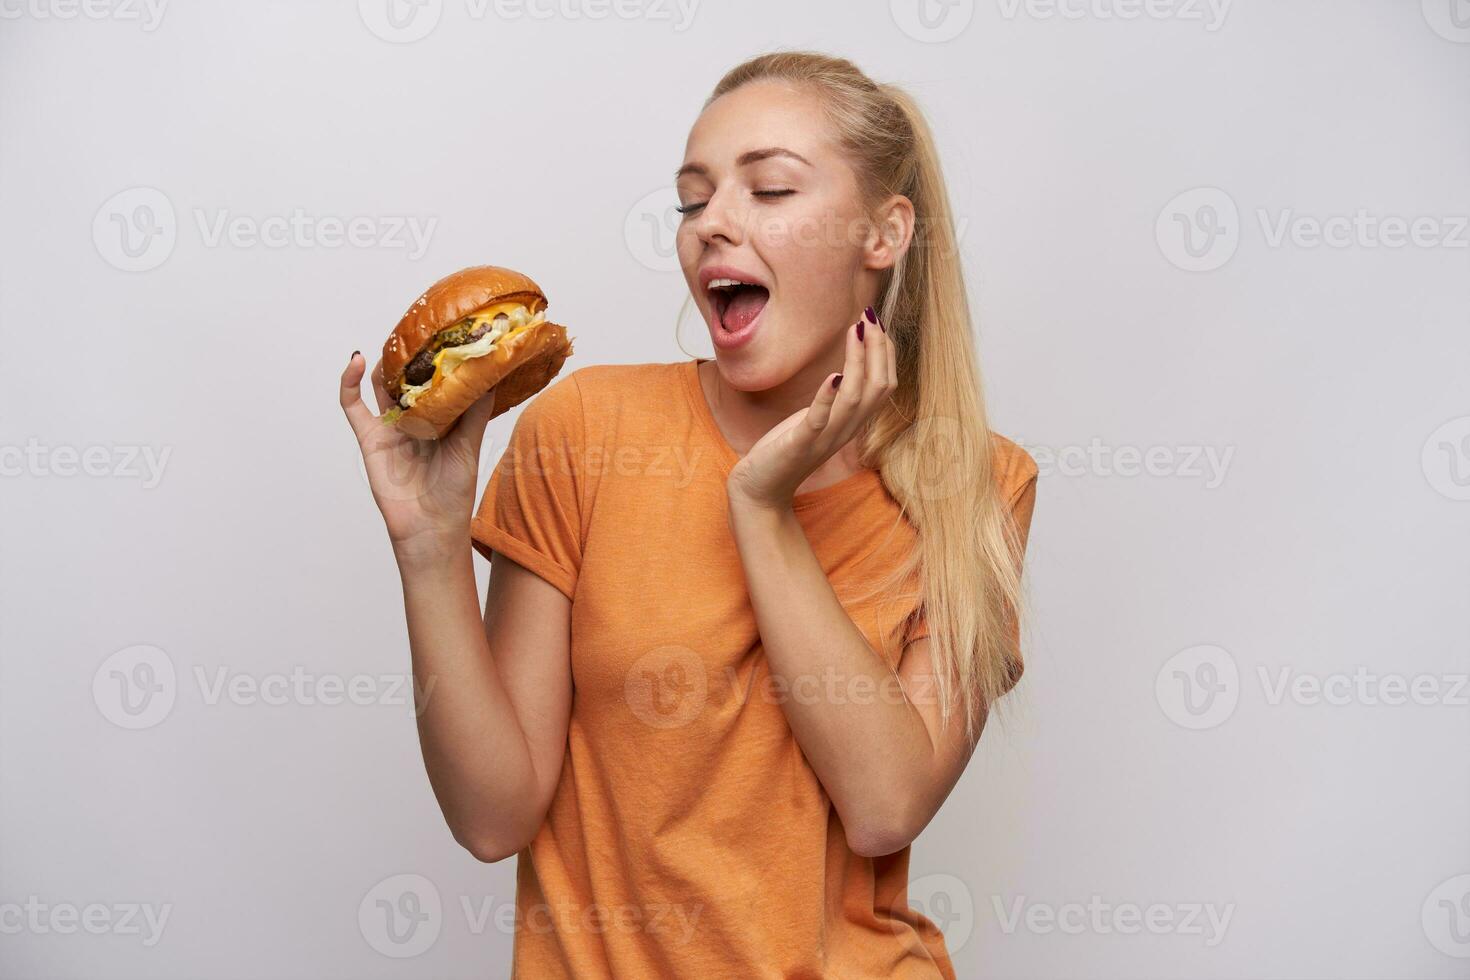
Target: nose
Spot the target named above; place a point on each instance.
(720, 219)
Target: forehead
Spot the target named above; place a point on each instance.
(759, 114)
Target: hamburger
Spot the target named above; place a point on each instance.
(476, 329)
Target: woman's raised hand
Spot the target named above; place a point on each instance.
(425, 488)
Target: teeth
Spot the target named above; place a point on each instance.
(727, 283)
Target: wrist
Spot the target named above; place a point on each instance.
(744, 510)
(434, 547)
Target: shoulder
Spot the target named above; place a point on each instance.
(1014, 467)
(607, 390)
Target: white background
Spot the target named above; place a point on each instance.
(1330, 380)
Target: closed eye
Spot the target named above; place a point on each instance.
(691, 208)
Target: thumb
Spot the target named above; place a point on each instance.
(472, 424)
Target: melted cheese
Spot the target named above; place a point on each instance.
(517, 317)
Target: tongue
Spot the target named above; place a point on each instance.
(743, 307)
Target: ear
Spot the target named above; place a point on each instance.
(891, 232)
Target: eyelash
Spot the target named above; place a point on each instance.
(690, 208)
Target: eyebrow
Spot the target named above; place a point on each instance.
(748, 157)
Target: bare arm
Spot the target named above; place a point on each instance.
(492, 692)
(883, 754)
(871, 747)
(495, 694)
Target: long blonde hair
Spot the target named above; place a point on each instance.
(931, 442)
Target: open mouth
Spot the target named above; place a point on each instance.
(736, 304)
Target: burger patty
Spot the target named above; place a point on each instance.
(421, 368)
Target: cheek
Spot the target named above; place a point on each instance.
(816, 278)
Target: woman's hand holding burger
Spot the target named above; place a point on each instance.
(475, 344)
(425, 488)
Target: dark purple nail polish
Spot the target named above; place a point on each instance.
(860, 330)
(354, 354)
(837, 381)
(868, 312)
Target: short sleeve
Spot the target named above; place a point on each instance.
(1022, 504)
(531, 510)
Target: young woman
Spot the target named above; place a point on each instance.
(746, 616)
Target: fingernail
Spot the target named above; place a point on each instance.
(868, 312)
(860, 330)
(837, 381)
(354, 354)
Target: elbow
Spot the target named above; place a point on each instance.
(485, 847)
(876, 836)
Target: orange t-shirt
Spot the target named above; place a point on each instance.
(688, 836)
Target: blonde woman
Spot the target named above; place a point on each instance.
(746, 615)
